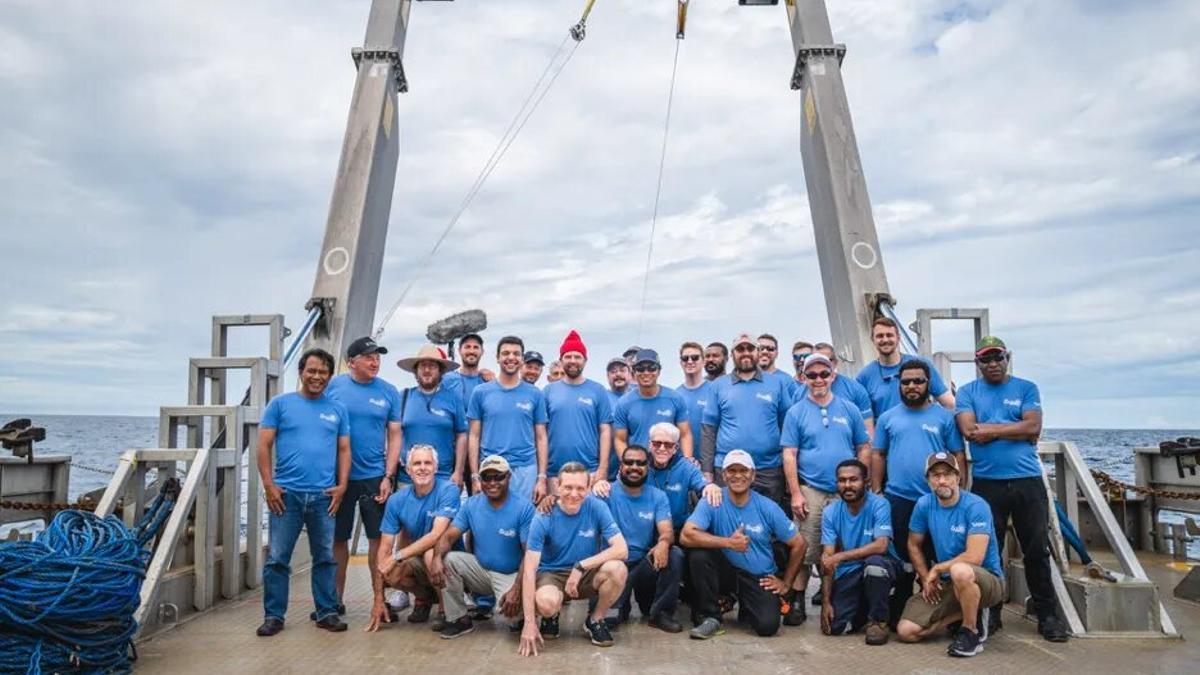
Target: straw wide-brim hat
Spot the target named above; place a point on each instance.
(427, 353)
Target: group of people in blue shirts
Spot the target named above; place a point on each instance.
(728, 491)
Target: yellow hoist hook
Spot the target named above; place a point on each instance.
(681, 23)
(579, 30)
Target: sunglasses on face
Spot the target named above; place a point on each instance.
(912, 380)
(800, 357)
(821, 375)
(743, 348)
(492, 477)
(646, 368)
(991, 358)
(662, 444)
(690, 358)
(634, 462)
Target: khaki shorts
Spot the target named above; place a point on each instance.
(810, 527)
(558, 579)
(991, 592)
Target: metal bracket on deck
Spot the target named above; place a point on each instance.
(391, 56)
(805, 52)
(19, 436)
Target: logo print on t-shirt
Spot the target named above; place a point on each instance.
(646, 515)
(525, 405)
(438, 411)
(590, 532)
(665, 412)
(506, 533)
(328, 418)
(841, 420)
(1014, 402)
(765, 397)
(586, 401)
(931, 429)
(958, 529)
(674, 487)
(377, 402)
(754, 529)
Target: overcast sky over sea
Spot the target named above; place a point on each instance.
(163, 162)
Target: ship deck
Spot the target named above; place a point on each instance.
(223, 640)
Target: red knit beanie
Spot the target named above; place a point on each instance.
(573, 343)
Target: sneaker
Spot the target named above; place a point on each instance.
(439, 623)
(795, 613)
(397, 600)
(666, 623)
(966, 643)
(708, 628)
(818, 598)
(549, 628)
(341, 610)
(481, 613)
(420, 612)
(877, 633)
(1053, 630)
(270, 626)
(457, 628)
(598, 632)
(332, 624)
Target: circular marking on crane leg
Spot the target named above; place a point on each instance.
(337, 260)
(863, 255)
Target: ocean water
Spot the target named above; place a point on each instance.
(95, 443)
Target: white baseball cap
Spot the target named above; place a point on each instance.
(738, 457)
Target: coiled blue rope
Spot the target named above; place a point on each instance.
(67, 598)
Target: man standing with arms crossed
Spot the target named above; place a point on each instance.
(820, 431)
(374, 408)
(1001, 416)
(578, 415)
(304, 480)
(905, 436)
(508, 418)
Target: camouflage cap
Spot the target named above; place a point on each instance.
(989, 343)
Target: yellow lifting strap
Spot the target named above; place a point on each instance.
(681, 23)
(579, 30)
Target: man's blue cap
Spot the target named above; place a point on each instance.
(534, 357)
(646, 355)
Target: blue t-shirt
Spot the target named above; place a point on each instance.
(638, 517)
(463, 385)
(433, 419)
(1002, 459)
(883, 383)
(306, 439)
(748, 415)
(950, 527)
(849, 389)
(499, 535)
(371, 406)
(414, 514)
(508, 417)
(824, 437)
(697, 401)
(789, 382)
(764, 520)
(575, 413)
(678, 479)
(847, 531)
(908, 436)
(564, 540)
(636, 414)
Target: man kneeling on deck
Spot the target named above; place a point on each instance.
(964, 541)
(733, 552)
(858, 562)
(564, 558)
(498, 521)
(414, 519)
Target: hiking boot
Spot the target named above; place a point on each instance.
(795, 614)
(549, 628)
(1053, 630)
(461, 626)
(332, 624)
(966, 643)
(439, 623)
(708, 628)
(666, 623)
(270, 626)
(598, 632)
(877, 633)
(420, 612)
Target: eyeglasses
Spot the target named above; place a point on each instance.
(745, 348)
(692, 358)
(634, 462)
(913, 380)
(822, 375)
(991, 358)
(492, 477)
(766, 348)
(646, 368)
(800, 357)
(662, 444)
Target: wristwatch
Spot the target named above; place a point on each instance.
(579, 566)
(474, 476)
(541, 475)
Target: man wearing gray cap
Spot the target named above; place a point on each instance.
(650, 404)
(618, 380)
(734, 552)
(499, 525)
(531, 368)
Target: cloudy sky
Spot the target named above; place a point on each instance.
(163, 162)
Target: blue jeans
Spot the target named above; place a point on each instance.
(656, 591)
(308, 510)
(862, 595)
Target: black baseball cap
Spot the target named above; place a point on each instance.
(471, 336)
(534, 357)
(364, 345)
(631, 351)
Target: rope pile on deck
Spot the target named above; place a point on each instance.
(67, 598)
